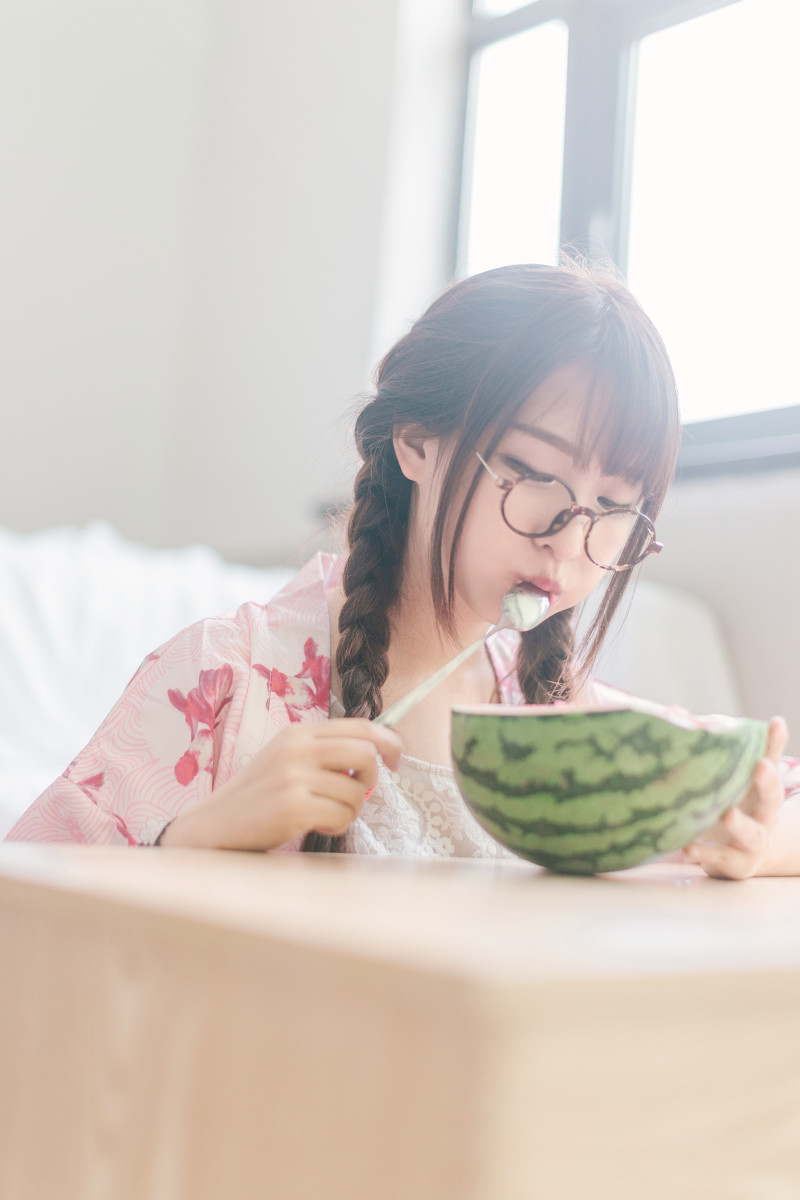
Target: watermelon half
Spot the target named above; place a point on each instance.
(582, 790)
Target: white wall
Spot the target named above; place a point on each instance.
(214, 216)
(98, 118)
(204, 205)
(733, 541)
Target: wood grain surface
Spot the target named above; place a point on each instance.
(182, 1025)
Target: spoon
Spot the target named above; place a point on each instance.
(522, 609)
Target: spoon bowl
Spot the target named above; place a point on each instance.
(522, 609)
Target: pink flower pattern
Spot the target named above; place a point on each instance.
(137, 772)
(92, 783)
(202, 707)
(297, 695)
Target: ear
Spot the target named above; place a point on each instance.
(417, 452)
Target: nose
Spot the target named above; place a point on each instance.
(568, 542)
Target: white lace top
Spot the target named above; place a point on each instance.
(418, 811)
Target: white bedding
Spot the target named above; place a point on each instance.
(80, 608)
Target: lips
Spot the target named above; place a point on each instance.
(544, 587)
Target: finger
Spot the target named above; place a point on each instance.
(328, 816)
(339, 786)
(743, 832)
(349, 755)
(385, 740)
(766, 794)
(733, 849)
(777, 737)
(722, 862)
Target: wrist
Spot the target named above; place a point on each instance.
(190, 830)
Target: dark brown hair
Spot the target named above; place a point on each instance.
(462, 371)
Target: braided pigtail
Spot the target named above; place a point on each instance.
(376, 537)
(544, 660)
(376, 534)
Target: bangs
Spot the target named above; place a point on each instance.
(619, 377)
(631, 424)
(624, 430)
(539, 323)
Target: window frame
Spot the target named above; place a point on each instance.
(597, 176)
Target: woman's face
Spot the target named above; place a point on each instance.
(491, 557)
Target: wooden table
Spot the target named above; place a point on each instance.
(182, 1025)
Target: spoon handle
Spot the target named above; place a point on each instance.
(398, 710)
(521, 610)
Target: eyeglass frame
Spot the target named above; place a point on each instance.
(574, 510)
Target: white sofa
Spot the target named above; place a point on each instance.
(80, 608)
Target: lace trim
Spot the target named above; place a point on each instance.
(418, 811)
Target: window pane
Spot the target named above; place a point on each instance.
(513, 197)
(714, 253)
(496, 8)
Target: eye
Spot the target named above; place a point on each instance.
(604, 502)
(520, 471)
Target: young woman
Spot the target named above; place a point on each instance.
(524, 431)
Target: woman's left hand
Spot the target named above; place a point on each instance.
(738, 845)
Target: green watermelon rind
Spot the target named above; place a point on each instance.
(630, 792)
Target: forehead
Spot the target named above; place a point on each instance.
(557, 404)
(566, 411)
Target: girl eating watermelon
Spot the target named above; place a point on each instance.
(522, 433)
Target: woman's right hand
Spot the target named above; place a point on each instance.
(300, 781)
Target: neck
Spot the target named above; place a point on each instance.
(418, 640)
(419, 647)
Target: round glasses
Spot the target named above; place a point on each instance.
(538, 505)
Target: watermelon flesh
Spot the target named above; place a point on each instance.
(585, 790)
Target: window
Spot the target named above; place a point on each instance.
(679, 159)
(513, 203)
(496, 8)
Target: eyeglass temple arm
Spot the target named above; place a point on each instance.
(501, 483)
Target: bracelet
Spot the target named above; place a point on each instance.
(157, 841)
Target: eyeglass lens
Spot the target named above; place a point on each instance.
(616, 539)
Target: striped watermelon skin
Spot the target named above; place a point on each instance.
(585, 792)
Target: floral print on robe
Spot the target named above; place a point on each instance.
(194, 713)
(204, 703)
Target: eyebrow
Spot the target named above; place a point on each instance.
(545, 435)
(560, 443)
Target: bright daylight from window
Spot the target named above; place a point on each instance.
(496, 8)
(714, 254)
(514, 196)
(713, 251)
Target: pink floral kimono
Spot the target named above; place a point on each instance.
(196, 710)
(203, 704)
